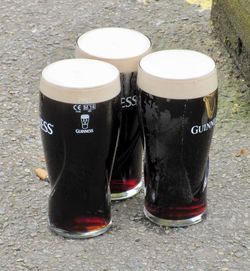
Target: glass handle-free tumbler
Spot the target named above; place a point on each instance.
(123, 48)
(79, 111)
(178, 104)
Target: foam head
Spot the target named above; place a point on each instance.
(80, 81)
(177, 74)
(121, 47)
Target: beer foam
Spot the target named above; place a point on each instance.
(121, 47)
(177, 74)
(80, 81)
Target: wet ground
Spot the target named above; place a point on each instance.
(35, 33)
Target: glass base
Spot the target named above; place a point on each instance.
(175, 223)
(127, 194)
(79, 235)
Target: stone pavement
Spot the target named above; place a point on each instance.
(35, 33)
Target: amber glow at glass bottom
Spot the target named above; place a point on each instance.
(123, 189)
(177, 215)
(83, 227)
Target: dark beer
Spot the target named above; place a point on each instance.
(127, 173)
(79, 141)
(178, 134)
(176, 162)
(123, 48)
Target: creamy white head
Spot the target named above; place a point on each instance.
(177, 74)
(121, 47)
(80, 81)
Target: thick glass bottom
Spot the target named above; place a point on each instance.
(127, 194)
(80, 234)
(175, 223)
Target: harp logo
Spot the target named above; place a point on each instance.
(210, 104)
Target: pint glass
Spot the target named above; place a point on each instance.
(178, 103)
(123, 48)
(79, 120)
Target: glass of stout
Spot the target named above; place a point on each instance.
(79, 119)
(177, 104)
(123, 48)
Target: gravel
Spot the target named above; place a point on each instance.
(35, 33)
